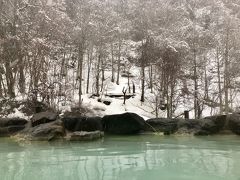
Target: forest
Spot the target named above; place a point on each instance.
(184, 52)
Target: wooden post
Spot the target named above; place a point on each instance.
(186, 114)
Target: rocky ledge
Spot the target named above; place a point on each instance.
(49, 126)
(207, 126)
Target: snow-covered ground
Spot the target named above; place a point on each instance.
(117, 107)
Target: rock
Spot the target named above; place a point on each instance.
(5, 122)
(10, 126)
(128, 123)
(108, 103)
(44, 132)
(81, 123)
(234, 123)
(207, 126)
(105, 101)
(15, 129)
(220, 121)
(198, 126)
(167, 126)
(43, 117)
(85, 136)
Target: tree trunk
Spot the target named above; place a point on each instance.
(171, 97)
(89, 69)
(134, 88)
(1, 88)
(129, 87)
(206, 94)
(124, 91)
(143, 73)
(35, 74)
(113, 71)
(22, 82)
(10, 80)
(219, 83)
(103, 74)
(119, 61)
(168, 107)
(196, 102)
(98, 75)
(226, 74)
(156, 106)
(80, 69)
(151, 77)
(143, 84)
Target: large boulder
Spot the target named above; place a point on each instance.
(44, 132)
(85, 136)
(167, 126)
(219, 120)
(128, 123)
(207, 126)
(197, 127)
(234, 123)
(10, 126)
(43, 117)
(76, 122)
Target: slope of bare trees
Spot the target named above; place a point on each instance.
(187, 50)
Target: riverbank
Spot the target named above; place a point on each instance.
(73, 126)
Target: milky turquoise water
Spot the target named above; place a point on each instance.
(145, 157)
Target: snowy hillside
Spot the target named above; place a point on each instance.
(175, 56)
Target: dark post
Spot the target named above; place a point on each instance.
(186, 114)
(134, 89)
(124, 95)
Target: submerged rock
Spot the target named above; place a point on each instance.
(85, 136)
(43, 117)
(77, 122)
(128, 123)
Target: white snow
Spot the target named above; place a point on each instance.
(18, 114)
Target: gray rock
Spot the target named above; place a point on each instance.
(43, 117)
(219, 120)
(234, 123)
(207, 126)
(44, 132)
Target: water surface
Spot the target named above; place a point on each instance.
(145, 157)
